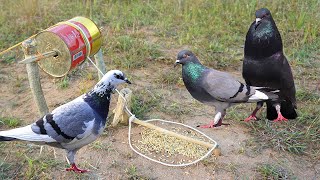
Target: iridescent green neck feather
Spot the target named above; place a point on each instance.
(266, 31)
(193, 71)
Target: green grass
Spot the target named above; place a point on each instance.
(5, 169)
(64, 82)
(271, 171)
(175, 109)
(35, 166)
(143, 102)
(281, 137)
(132, 51)
(213, 29)
(133, 174)
(131, 171)
(307, 55)
(19, 82)
(10, 122)
(169, 77)
(98, 145)
(9, 59)
(298, 136)
(23, 161)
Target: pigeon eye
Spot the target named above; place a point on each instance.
(118, 76)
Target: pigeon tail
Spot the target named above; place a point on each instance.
(258, 96)
(26, 134)
(261, 95)
(4, 138)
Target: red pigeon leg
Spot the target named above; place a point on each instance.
(253, 114)
(76, 169)
(280, 117)
(212, 124)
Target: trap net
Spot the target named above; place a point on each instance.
(184, 146)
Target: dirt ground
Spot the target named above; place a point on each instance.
(240, 155)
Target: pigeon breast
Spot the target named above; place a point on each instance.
(192, 77)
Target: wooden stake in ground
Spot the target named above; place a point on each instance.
(29, 49)
(120, 116)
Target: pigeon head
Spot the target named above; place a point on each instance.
(262, 15)
(114, 77)
(263, 38)
(184, 57)
(110, 81)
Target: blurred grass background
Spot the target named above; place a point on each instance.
(215, 30)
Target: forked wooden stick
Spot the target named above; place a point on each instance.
(29, 49)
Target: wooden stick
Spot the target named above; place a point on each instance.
(119, 114)
(29, 50)
(164, 131)
(39, 57)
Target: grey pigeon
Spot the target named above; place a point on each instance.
(265, 65)
(217, 88)
(74, 124)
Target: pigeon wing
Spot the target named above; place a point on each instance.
(66, 122)
(224, 87)
(288, 90)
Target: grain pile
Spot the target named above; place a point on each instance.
(169, 149)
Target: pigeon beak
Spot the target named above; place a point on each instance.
(176, 63)
(257, 22)
(127, 81)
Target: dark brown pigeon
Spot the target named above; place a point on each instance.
(265, 65)
(216, 88)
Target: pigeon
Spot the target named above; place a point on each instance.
(74, 124)
(265, 65)
(216, 88)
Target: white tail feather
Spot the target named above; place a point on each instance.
(258, 96)
(26, 134)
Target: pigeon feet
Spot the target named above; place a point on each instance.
(207, 126)
(280, 118)
(212, 125)
(251, 117)
(76, 169)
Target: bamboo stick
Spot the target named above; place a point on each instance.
(164, 131)
(38, 57)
